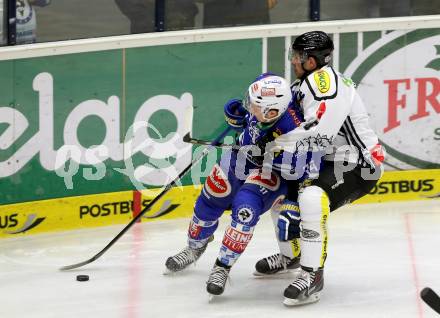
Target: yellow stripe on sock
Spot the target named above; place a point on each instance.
(296, 247)
(325, 210)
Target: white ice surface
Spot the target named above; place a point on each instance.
(380, 256)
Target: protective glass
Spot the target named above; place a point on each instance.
(252, 108)
(260, 113)
(247, 102)
(256, 110)
(297, 56)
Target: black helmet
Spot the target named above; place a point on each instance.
(315, 43)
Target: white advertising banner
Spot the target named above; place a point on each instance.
(398, 78)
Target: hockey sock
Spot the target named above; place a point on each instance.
(200, 231)
(235, 240)
(219, 263)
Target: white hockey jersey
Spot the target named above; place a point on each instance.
(335, 120)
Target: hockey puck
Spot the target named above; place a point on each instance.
(82, 278)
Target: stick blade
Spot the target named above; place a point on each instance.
(73, 266)
(431, 298)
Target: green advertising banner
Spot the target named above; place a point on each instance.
(67, 122)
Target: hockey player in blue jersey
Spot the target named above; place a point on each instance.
(239, 183)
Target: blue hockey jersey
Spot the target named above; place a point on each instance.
(256, 133)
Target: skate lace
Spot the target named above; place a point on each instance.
(218, 276)
(304, 281)
(275, 261)
(185, 257)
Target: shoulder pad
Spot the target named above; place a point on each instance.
(323, 83)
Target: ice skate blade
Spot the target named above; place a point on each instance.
(297, 302)
(168, 272)
(211, 298)
(281, 274)
(171, 272)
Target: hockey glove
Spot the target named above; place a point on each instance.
(288, 221)
(235, 114)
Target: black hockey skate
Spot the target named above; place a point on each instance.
(217, 279)
(186, 257)
(305, 289)
(275, 264)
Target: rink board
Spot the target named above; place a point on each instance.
(93, 211)
(120, 207)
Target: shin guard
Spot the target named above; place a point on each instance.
(315, 208)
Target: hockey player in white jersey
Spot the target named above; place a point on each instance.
(335, 121)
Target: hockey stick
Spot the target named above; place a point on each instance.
(152, 202)
(431, 298)
(187, 138)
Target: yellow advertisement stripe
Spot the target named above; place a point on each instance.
(65, 214)
(405, 185)
(118, 207)
(92, 211)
